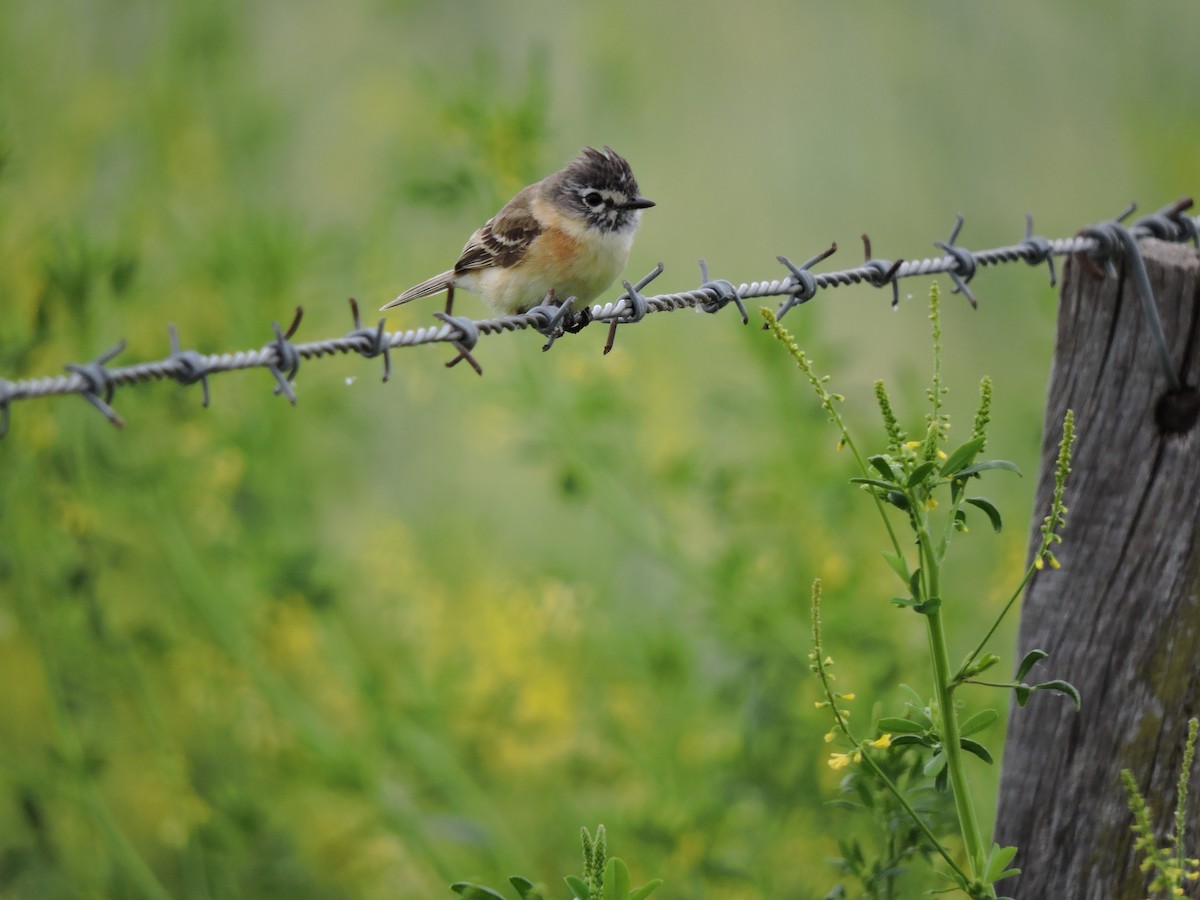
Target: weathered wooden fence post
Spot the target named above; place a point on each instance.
(1121, 619)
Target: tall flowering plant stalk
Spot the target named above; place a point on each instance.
(926, 493)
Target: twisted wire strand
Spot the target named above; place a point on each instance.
(174, 368)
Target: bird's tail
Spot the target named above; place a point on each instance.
(434, 285)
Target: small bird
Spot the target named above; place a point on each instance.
(568, 235)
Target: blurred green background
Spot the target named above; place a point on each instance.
(414, 632)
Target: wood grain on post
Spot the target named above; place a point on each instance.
(1121, 619)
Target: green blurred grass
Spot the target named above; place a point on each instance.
(416, 632)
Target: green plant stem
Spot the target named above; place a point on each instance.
(892, 788)
(1053, 524)
(951, 739)
(974, 654)
(1016, 594)
(913, 814)
(862, 467)
(829, 404)
(951, 746)
(1010, 685)
(843, 726)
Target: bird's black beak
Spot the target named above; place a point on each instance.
(637, 203)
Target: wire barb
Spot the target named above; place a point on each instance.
(370, 342)
(464, 342)
(722, 293)
(881, 271)
(636, 305)
(287, 358)
(638, 309)
(806, 283)
(189, 364)
(1170, 223)
(556, 319)
(1036, 249)
(99, 383)
(964, 259)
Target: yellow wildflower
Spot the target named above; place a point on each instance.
(839, 760)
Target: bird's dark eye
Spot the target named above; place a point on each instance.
(593, 199)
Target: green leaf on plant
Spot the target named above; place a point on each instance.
(645, 890)
(952, 876)
(897, 499)
(579, 887)
(988, 507)
(1032, 658)
(616, 880)
(897, 564)
(925, 607)
(917, 710)
(941, 783)
(896, 725)
(475, 891)
(525, 888)
(985, 465)
(981, 720)
(1061, 687)
(875, 482)
(977, 748)
(1022, 692)
(997, 864)
(935, 764)
(920, 473)
(905, 740)
(883, 466)
(962, 457)
(913, 696)
(957, 486)
(914, 584)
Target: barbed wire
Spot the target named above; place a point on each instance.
(1098, 246)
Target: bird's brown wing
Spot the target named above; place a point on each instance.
(504, 239)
